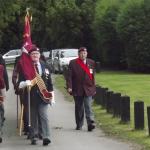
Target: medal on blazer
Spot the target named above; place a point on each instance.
(46, 73)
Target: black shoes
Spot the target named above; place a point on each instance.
(91, 127)
(33, 141)
(46, 141)
(78, 128)
(40, 137)
(1, 140)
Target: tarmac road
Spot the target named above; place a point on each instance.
(63, 133)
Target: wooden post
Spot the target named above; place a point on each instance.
(125, 109)
(148, 118)
(139, 114)
(109, 102)
(103, 102)
(96, 97)
(116, 104)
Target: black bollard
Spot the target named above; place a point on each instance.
(96, 97)
(125, 109)
(100, 96)
(103, 100)
(139, 114)
(98, 67)
(109, 101)
(116, 104)
(148, 118)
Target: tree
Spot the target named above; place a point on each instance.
(87, 16)
(110, 50)
(64, 24)
(8, 28)
(133, 26)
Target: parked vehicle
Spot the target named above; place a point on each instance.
(63, 57)
(50, 60)
(46, 54)
(11, 55)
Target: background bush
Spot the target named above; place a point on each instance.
(115, 32)
(110, 50)
(133, 26)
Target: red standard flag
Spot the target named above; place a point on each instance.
(25, 62)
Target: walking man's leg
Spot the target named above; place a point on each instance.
(89, 113)
(79, 112)
(44, 120)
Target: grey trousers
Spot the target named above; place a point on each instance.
(83, 103)
(39, 114)
(1, 118)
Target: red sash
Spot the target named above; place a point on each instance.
(84, 67)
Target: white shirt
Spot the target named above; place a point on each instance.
(84, 61)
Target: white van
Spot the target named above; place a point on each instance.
(63, 57)
(50, 60)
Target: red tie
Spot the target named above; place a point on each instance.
(36, 68)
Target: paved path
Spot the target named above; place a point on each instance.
(63, 133)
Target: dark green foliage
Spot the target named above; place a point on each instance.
(64, 24)
(9, 32)
(110, 50)
(115, 32)
(133, 26)
(87, 17)
(56, 23)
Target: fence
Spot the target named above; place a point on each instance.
(118, 105)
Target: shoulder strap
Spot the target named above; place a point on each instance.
(84, 67)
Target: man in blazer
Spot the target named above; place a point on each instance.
(39, 108)
(81, 84)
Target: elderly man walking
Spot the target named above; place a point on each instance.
(81, 84)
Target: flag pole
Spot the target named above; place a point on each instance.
(29, 107)
(21, 120)
(17, 111)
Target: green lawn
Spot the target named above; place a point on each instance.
(10, 65)
(137, 86)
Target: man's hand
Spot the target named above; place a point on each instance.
(53, 99)
(24, 84)
(69, 91)
(1, 100)
(28, 83)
